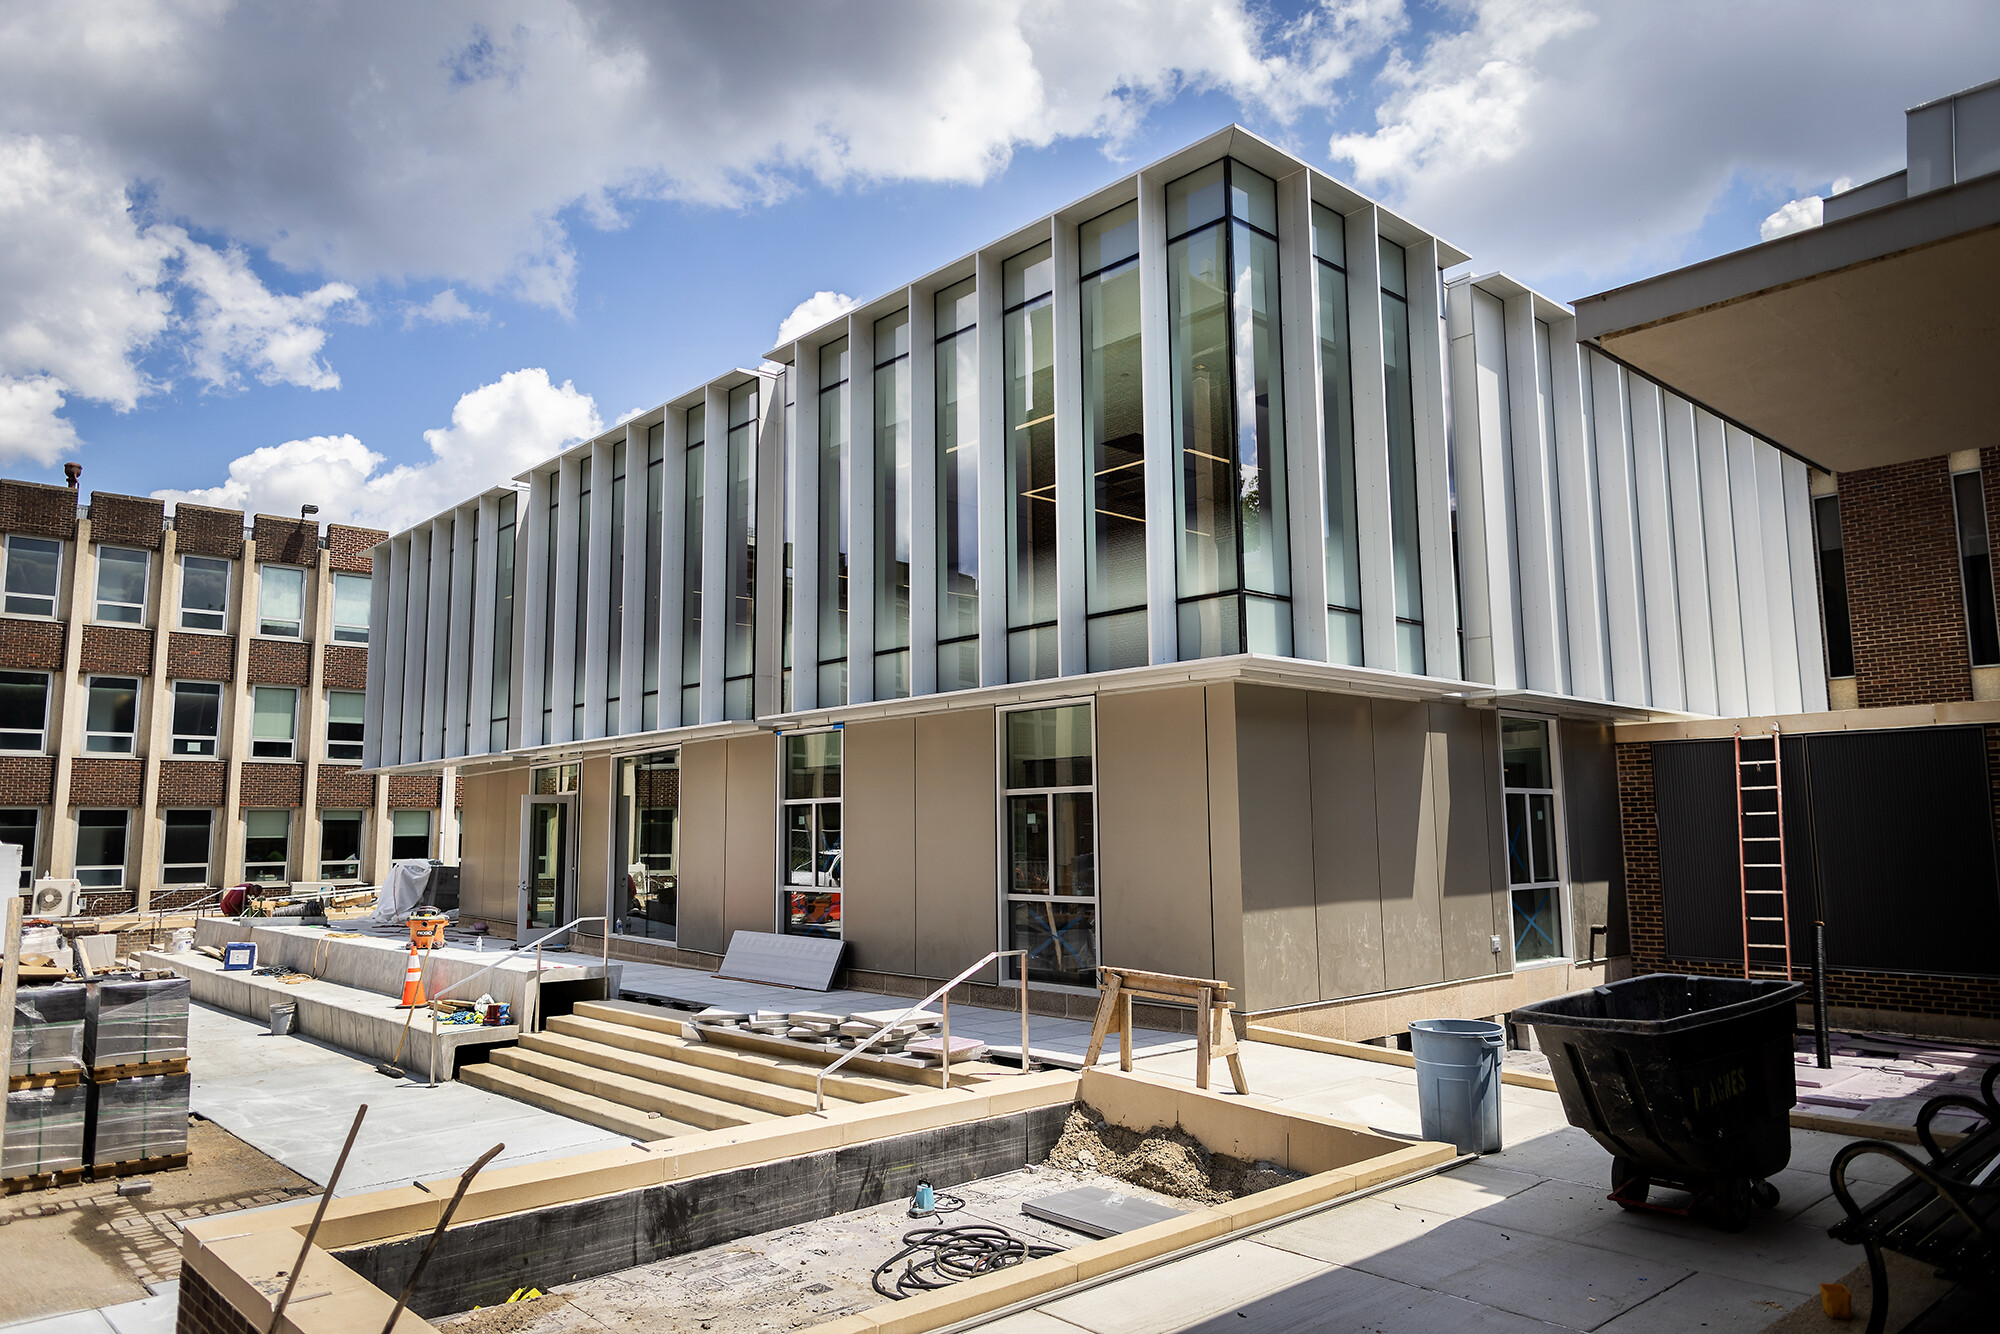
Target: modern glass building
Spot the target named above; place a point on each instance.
(1196, 578)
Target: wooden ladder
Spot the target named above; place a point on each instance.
(1214, 1030)
(1760, 856)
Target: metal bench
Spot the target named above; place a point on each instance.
(1945, 1212)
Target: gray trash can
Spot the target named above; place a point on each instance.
(285, 1013)
(1458, 1081)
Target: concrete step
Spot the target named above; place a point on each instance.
(695, 1109)
(619, 1058)
(601, 1112)
(893, 1072)
(714, 1056)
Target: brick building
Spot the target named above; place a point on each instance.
(181, 701)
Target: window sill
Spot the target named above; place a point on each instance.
(190, 630)
(1532, 964)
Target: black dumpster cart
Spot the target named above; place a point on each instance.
(1686, 1080)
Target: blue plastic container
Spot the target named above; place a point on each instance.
(1458, 1081)
(239, 956)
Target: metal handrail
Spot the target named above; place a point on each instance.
(944, 1055)
(526, 1024)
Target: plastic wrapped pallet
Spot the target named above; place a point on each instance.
(132, 1021)
(44, 1131)
(48, 1028)
(141, 1117)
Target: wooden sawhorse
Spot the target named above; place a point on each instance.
(1214, 1031)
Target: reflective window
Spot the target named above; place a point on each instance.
(345, 712)
(1049, 861)
(121, 584)
(1029, 333)
(409, 836)
(24, 710)
(34, 567)
(503, 626)
(649, 801)
(1402, 460)
(204, 593)
(957, 442)
(809, 901)
(614, 635)
(274, 722)
(1234, 572)
(577, 604)
(21, 826)
(1975, 568)
(787, 627)
(556, 779)
(1833, 586)
(281, 601)
(1343, 559)
(656, 478)
(835, 477)
(340, 845)
(691, 525)
(197, 717)
(892, 506)
(350, 608)
(1114, 442)
(111, 715)
(1534, 872)
(184, 852)
(100, 848)
(739, 644)
(549, 601)
(267, 845)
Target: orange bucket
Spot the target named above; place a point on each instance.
(427, 933)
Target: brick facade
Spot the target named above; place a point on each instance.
(123, 649)
(38, 509)
(27, 780)
(345, 789)
(268, 785)
(1905, 602)
(414, 792)
(286, 541)
(346, 667)
(202, 1310)
(98, 781)
(347, 548)
(126, 521)
(279, 662)
(201, 531)
(192, 657)
(193, 783)
(31, 645)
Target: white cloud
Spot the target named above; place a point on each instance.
(496, 431)
(238, 322)
(812, 312)
(1798, 216)
(447, 307)
(29, 426)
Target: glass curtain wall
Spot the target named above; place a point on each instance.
(809, 901)
(656, 479)
(1402, 459)
(614, 637)
(549, 593)
(1343, 560)
(958, 486)
(649, 807)
(1975, 568)
(1833, 586)
(691, 525)
(579, 605)
(892, 506)
(1027, 283)
(1534, 872)
(1049, 878)
(1234, 575)
(503, 626)
(835, 475)
(1114, 442)
(739, 647)
(790, 378)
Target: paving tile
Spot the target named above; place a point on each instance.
(1462, 1190)
(1563, 1282)
(1353, 1234)
(1175, 1296)
(1706, 1302)
(1566, 1154)
(1363, 1301)
(1029, 1322)
(75, 1322)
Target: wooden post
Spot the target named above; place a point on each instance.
(1204, 1030)
(1107, 1007)
(1124, 1028)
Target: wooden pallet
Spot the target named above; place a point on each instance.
(68, 1176)
(48, 1079)
(106, 1074)
(132, 1167)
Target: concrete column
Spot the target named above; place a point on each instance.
(447, 827)
(312, 718)
(243, 619)
(385, 657)
(375, 838)
(378, 639)
(159, 722)
(66, 728)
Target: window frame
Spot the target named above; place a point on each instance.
(29, 861)
(284, 867)
(176, 736)
(1559, 886)
(838, 886)
(7, 595)
(291, 742)
(206, 864)
(360, 819)
(125, 848)
(97, 600)
(264, 623)
(131, 739)
(41, 746)
(328, 743)
(221, 614)
(347, 632)
(1095, 901)
(1982, 621)
(430, 834)
(625, 838)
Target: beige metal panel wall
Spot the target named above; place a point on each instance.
(1462, 782)
(957, 861)
(1406, 830)
(1347, 884)
(704, 810)
(879, 861)
(1225, 835)
(489, 860)
(751, 836)
(1596, 848)
(1280, 912)
(1153, 831)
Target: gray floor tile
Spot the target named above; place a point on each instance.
(1706, 1302)
(1350, 1299)
(1173, 1297)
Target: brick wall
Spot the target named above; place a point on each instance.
(200, 657)
(347, 548)
(343, 789)
(268, 785)
(202, 1310)
(27, 780)
(193, 783)
(97, 781)
(279, 662)
(287, 541)
(346, 667)
(126, 521)
(31, 645)
(38, 509)
(201, 531)
(414, 792)
(125, 649)
(1903, 594)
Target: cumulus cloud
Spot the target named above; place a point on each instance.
(812, 312)
(496, 431)
(29, 426)
(447, 307)
(1798, 216)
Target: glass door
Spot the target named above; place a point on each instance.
(548, 863)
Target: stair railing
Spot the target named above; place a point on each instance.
(530, 1018)
(944, 1055)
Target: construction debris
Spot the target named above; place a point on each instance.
(1164, 1159)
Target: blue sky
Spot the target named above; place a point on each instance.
(232, 227)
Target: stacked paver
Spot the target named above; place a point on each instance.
(46, 1099)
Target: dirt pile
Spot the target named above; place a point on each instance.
(1165, 1159)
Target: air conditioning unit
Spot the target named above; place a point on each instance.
(54, 898)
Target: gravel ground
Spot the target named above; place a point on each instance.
(1164, 1159)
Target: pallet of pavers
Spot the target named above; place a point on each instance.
(47, 1099)
(135, 1045)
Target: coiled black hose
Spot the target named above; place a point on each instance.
(937, 1257)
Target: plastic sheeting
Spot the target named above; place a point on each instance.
(45, 1131)
(48, 1029)
(131, 1021)
(145, 1117)
(403, 892)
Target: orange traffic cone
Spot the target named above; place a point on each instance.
(413, 982)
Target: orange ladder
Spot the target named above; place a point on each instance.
(1760, 848)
